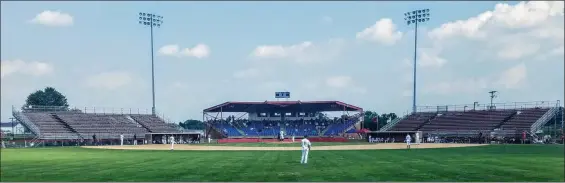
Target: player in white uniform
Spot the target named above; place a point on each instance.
(121, 139)
(306, 145)
(292, 137)
(408, 139)
(172, 142)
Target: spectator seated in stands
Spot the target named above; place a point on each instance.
(312, 127)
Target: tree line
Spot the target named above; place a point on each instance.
(373, 121)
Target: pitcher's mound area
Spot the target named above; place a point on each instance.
(237, 148)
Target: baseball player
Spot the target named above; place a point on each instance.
(408, 139)
(121, 139)
(292, 137)
(172, 142)
(306, 145)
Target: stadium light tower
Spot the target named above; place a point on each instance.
(414, 18)
(492, 96)
(151, 20)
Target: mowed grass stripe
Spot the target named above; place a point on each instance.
(485, 163)
(285, 144)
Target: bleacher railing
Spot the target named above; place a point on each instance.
(487, 106)
(459, 133)
(391, 124)
(544, 119)
(92, 110)
(26, 122)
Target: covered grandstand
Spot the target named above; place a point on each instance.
(266, 119)
(60, 124)
(505, 119)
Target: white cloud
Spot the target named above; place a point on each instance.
(524, 33)
(430, 58)
(53, 18)
(199, 51)
(279, 51)
(169, 50)
(518, 50)
(504, 16)
(110, 80)
(9, 67)
(527, 14)
(513, 77)
(383, 31)
(305, 52)
(469, 27)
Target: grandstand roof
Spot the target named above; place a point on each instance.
(283, 106)
(8, 124)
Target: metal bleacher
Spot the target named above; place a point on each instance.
(75, 125)
(516, 117)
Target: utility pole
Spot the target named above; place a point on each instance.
(151, 20)
(492, 96)
(413, 18)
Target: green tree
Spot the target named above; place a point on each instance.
(322, 115)
(192, 124)
(371, 118)
(392, 116)
(47, 97)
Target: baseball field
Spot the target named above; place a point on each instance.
(280, 162)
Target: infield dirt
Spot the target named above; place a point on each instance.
(315, 148)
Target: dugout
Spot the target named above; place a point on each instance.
(180, 138)
(398, 136)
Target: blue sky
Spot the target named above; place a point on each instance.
(357, 52)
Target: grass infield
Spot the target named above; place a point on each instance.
(535, 163)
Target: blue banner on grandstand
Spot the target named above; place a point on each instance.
(282, 94)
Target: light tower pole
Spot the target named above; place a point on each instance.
(414, 18)
(151, 20)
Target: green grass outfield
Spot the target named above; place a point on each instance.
(536, 163)
(276, 144)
